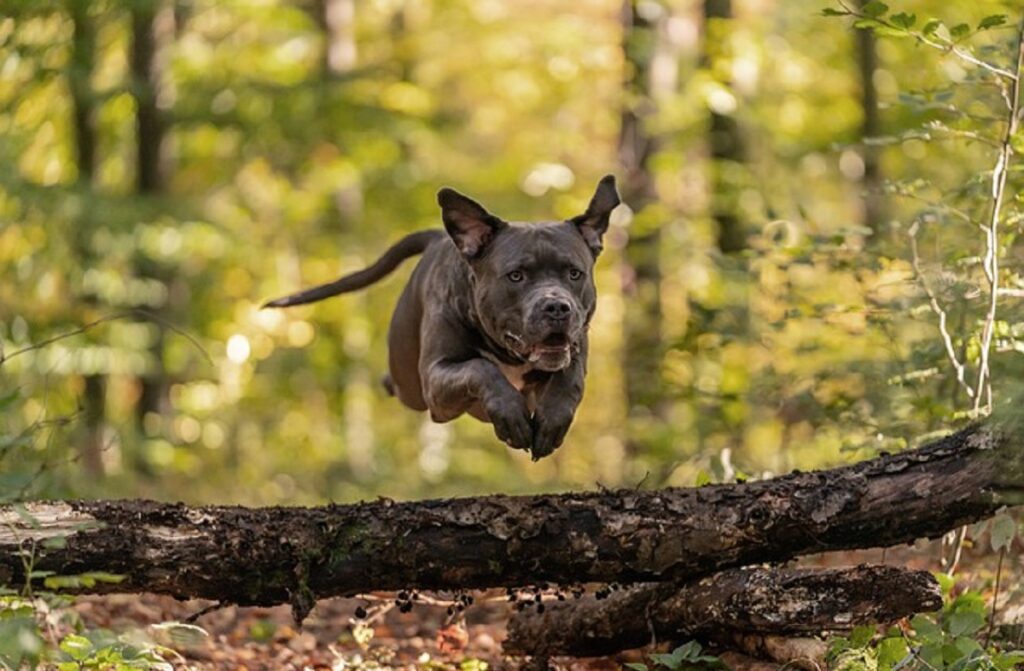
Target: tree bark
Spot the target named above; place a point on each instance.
(274, 555)
(731, 608)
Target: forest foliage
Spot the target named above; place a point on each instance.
(166, 167)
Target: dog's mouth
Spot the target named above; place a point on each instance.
(553, 352)
(553, 342)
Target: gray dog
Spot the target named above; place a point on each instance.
(494, 319)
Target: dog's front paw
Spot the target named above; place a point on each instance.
(549, 429)
(511, 420)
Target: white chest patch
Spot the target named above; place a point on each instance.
(513, 373)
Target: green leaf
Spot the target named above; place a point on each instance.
(76, 647)
(945, 582)
(965, 623)
(867, 24)
(55, 543)
(930, 27)
(829, 11)
(1008, 660)
(103, 576)
(992, 21)
(903, 20)
(875, 8)
(861, 636)
(703, 478)
(636, 666)
(1004, 529)
(966, 645)
(926, 628)
(891, 651)
(959, 31)
(931, 654)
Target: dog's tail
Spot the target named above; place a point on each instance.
(410, 245)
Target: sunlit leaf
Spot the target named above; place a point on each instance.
(992, 21)
(930, 26)
(903, 20)
(959, 31)
(875, 8)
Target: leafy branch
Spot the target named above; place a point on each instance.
(934, 33)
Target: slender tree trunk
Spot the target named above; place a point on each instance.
(152, 25)
(296, 555)
(642, 269)
(867, 64)
(83, 47)
(724, 140)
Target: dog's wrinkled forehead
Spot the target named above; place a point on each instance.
(544, 246)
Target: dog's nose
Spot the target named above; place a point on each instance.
(556, 309)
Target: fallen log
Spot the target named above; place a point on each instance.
(738, 605)
(275, 555)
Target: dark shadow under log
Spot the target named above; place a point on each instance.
(267, 556)
(723, 608)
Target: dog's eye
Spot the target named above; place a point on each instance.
(575, 274)
(516, 276)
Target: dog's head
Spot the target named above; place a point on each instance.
(533, 284)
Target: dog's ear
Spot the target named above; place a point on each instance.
(593, 223)
(470, 225)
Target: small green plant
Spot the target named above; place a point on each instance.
(954, 639)
(686, 657)
(37, 629)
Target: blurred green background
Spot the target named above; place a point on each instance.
(185, 160)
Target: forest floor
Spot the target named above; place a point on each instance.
(427, 637)
(330, 639)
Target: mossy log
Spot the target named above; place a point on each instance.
(265, 556)
(725, 608)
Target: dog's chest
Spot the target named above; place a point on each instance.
(514, 373)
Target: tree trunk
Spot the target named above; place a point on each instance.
(724, 139)
(867, 64)
(80, 68)
(152, 25)
(725, 608)
(273, 555)
(642, 270)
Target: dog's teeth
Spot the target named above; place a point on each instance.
(535, 356)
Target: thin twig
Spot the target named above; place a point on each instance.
(947, 339)
(991, 264)
(995, 597)
(191, 619)
(136, 312)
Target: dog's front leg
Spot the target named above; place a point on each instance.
(557, 401)
(452, 388)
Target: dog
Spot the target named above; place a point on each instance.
(493, 321)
